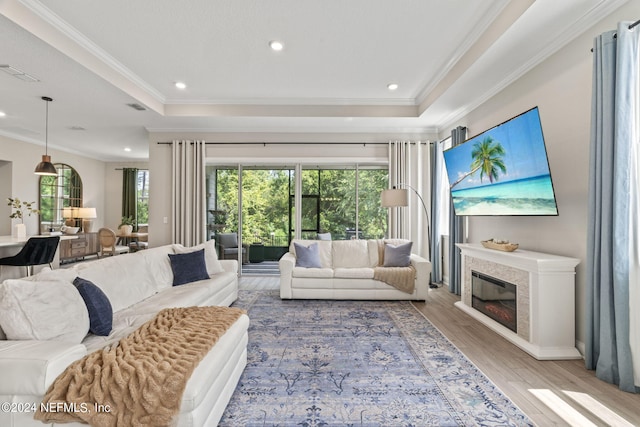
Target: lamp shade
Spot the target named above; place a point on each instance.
(394, 198)
(87, 213)
(45, 167)
(70, 212)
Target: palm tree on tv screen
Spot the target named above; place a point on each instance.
(487, 157)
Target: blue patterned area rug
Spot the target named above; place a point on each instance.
(357, 363)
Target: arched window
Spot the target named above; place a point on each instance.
(58, 194)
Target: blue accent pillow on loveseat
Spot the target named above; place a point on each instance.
(397, 255)
(307, 257)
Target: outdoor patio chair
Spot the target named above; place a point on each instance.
(228, 247)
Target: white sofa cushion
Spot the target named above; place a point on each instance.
(312, 272)
(210, 255)
(30, 367)
(350, 254)
(191, 294)
(156, 262)
(123, 278)
(60, 275)
(353, 273)
(42, 310)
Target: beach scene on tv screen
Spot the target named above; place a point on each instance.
(502, 171)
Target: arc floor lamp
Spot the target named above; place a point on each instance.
(399, 197)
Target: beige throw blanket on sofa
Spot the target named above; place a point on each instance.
(140, 380)
(401, 278)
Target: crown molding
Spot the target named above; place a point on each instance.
(340, 102)
(479, 29)
(84, 43)
(578, 27)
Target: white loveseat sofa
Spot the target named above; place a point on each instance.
(346, 272)
(138, 286)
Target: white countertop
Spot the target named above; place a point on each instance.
(8, 241)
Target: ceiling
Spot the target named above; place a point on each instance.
(94, 57)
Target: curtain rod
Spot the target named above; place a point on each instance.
(635, 24)
(630, 27)
(290, 143)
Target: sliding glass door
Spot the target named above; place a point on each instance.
(265, 216)
(347, 200)
(259, 205)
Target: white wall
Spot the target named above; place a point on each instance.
(24, 157)
(561, 87)
(6, 181)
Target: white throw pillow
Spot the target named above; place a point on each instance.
(123, 278)
(43, 310)
(57, 275)
(157, 265)
(210, 255)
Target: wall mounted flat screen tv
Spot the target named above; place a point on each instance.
(502, 171)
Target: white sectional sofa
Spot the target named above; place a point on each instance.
(138, 286)
(346, 272)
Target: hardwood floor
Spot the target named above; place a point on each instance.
(551, 393)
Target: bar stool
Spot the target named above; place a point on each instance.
(37, 251)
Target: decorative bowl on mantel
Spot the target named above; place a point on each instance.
(500, 245)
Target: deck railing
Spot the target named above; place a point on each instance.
(268, 240)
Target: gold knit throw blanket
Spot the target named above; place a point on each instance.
(401, 278)
(138, 381)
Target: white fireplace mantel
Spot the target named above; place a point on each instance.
(545, 288)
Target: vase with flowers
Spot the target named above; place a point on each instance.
(19, 208)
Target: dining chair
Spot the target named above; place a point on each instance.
(108, 246)
(141, 242)
(36, 251)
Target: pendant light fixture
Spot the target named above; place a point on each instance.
(45, 167)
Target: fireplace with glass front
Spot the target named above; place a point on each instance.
(527, 297)
(495, 298)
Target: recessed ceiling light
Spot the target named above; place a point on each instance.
(127, 149)
(392, 86)
(181, 85)
(3, 114)
(276, 45)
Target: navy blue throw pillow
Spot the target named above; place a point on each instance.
(98, 306)
(188, 267)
